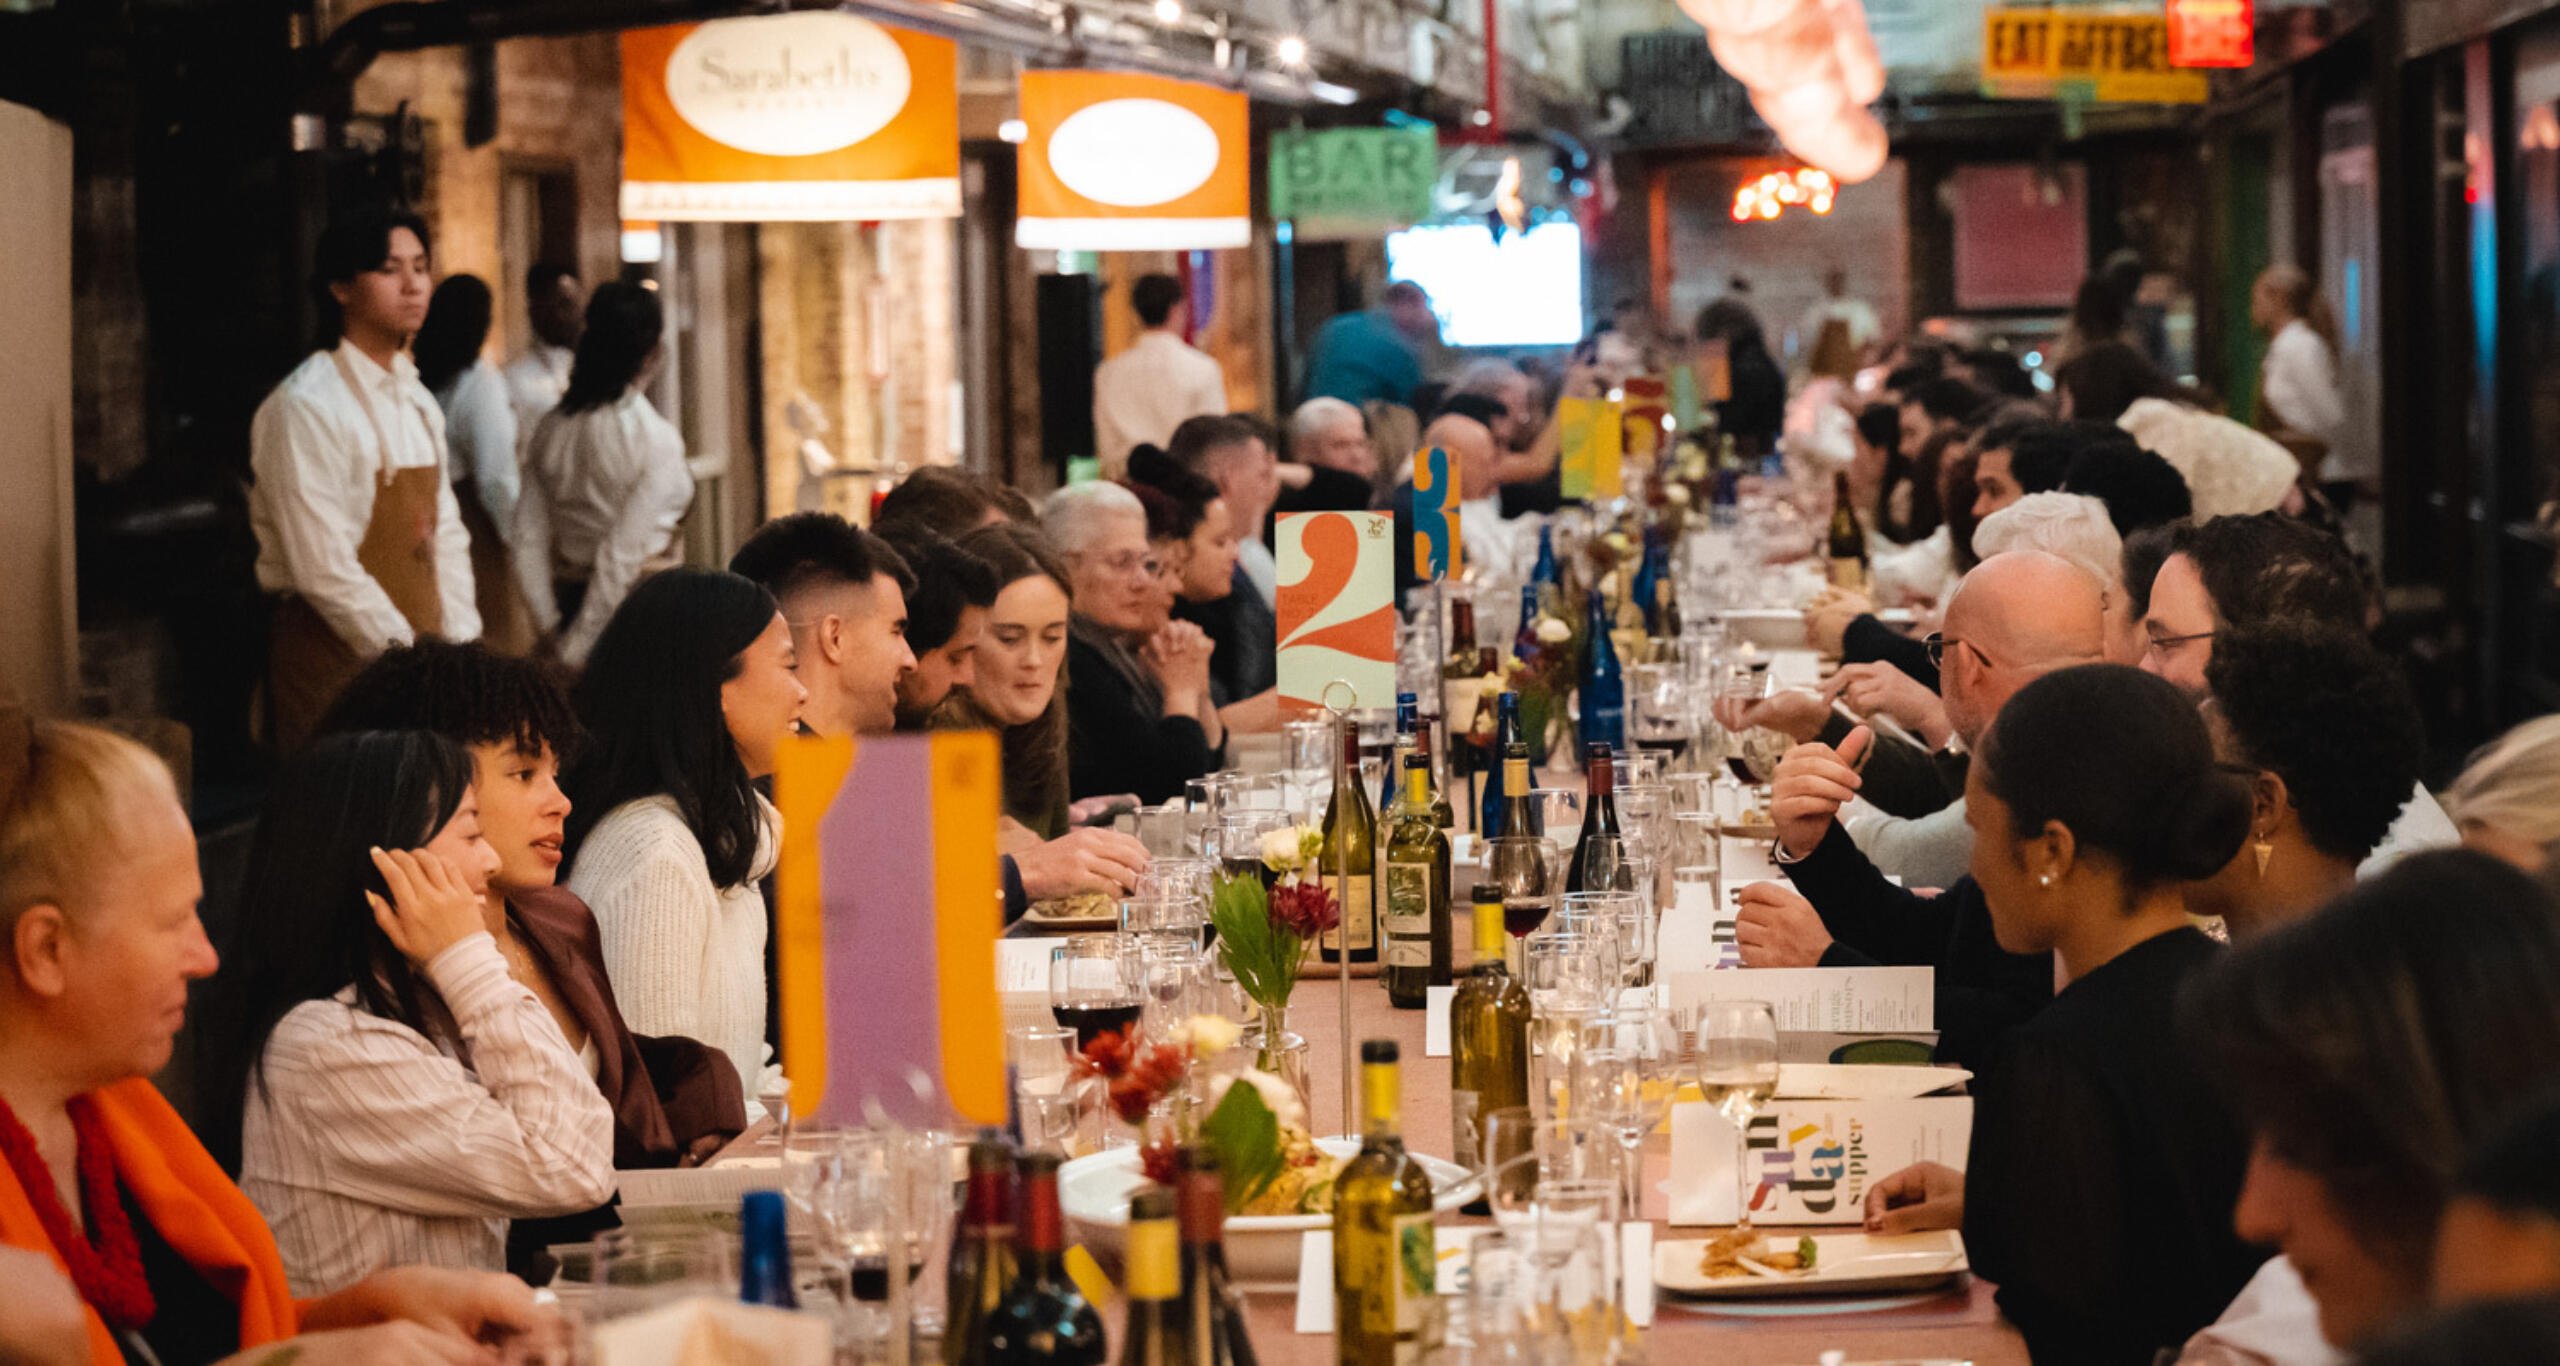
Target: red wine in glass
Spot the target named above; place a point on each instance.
(1742, 769)
(1091, 1021)
(870, 1276)
(1523, 915)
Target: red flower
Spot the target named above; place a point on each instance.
(1136, 1074)
(1304, 909)
(1162, 1160)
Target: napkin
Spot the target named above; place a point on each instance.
(711, 1332)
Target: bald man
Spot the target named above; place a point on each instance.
(2016, 618)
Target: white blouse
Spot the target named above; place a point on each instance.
(366, 1145)
(603, 492)
(480, 428)
(685, 957)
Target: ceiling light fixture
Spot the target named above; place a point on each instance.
(1293, 51)
(1168, 11)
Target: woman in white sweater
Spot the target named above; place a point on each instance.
(688, 695)
(389, 1093)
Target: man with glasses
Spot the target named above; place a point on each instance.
(1140, 718)
(2018, 616)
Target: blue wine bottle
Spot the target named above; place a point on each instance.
(1649, 571)
(1545, 571)
(1604, 690)
(764, 1256)
(1506, 728)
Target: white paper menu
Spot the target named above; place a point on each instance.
(1814, 1159)
(1836, 1000)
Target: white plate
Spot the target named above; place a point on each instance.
(1864, 1081)
(1094, 1190)
(1843, 1264)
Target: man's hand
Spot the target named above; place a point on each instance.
(1882, 689)
(1079, 861)
(475, 1306)
(1916, 1199)
(1797, 713)
(1811, 785)
(1775, 928)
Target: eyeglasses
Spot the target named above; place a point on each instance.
(1937, 643)
(2162, 645)
(1131, 562)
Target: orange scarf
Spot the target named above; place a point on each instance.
(187, 1197)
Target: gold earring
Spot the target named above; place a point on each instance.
(2263, 850)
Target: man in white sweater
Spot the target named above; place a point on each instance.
(814, 563)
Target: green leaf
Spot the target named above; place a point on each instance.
(1805, 1248)
(1245, 1135)
(1261, 955)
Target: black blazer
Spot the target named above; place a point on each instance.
(1246, 662)
(1983, 991)
(1118, 740)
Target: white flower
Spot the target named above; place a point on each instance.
(1553, 632)
(1210, 1035)
(1283, 1102)
(1280, 849)
(1677, 493)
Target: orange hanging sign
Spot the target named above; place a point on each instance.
(1116, 161)
(812, 116)
(2212, 32)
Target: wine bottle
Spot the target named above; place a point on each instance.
(1520, 813)
(1604, 689)
(1665, 623)
(1348, 866)
(1488, 1033)
(1846, 549)
(1408, 722)
(981, 1265)
(1417, 894)
(1649, 575)
(1043, 1318)
(1490, 822)
(1544, 571)
(1599, 810)
(1152, 1334)
(764, 1252)
(1385, 1254)
(1442, 814)
(1461, 692)
(1213, 1321)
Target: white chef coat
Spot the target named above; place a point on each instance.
(1145, 392)
(480, 430)
(2301, 382)
(535, 382)
(604, 490)
(315, 456)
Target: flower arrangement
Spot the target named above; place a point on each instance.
(1263, 932)
(1253, 1121)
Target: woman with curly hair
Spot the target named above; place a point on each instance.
(2287, 695)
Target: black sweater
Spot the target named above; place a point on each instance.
(1118, 740)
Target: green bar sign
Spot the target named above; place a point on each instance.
(1353, 178)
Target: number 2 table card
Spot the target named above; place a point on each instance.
(1336, 610)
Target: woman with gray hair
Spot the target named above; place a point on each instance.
(2507, 801)
(1140, 719)
(2077, 528)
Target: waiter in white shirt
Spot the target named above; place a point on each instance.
(358, 531)
(536, 379)
(1145, 392)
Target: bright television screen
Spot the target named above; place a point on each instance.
(1525, 290)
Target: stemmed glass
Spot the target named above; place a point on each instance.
(1629, 1081)
(1738, 1071)
(1089, 987)
(1523, 866)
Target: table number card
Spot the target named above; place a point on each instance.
(1588, 432)
(1812, 1160)
(1696, 933)
(884, 926)
(1648, 401)
(1436, 552)
(1336, 610)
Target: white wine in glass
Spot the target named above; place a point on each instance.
(1738, 1072)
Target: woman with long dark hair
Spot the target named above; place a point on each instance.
(480, 438)
(686, 701)
(2098, 1189)
(1020, 687)
(1758, 408)
(605, 479)
(389, 1094)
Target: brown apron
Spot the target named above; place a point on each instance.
(506, 622)
(307, 663)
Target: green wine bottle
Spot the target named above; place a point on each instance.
(1417, 893)
(1348, 861)
(1152, 1333)
(1385, 1253)
(1488, 1035)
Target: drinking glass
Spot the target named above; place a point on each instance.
(1693, 793)
(1523, 866)
(1500, 1319)
(1164, 829)
(1522, 1148)
(1089, 988)
(1205, 798)
(1636, 765)
(1184, 913)
(1044, 1093)
(1602, 863)
(1569, 970)
(1179, 875)
(1559, 813)
(1240, 835)
(1631, 1080)
(1170, 976)
(632, 1271)
(1643, 812)
(1571, 1232)
(1738, 1071)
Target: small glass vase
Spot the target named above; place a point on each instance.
(1276, 1048)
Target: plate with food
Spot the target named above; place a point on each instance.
(1083, 911)
(1262, 1240)
(1753, 1264)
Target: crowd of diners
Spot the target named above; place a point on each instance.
(2265, 1035)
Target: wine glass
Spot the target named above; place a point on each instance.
(1089, 987)
(1643, 811)
(1559, 813)
(1600, 864)
(1044, 1092)
(1738, 1071)
(1521, 865)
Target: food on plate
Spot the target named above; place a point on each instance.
(1081, 906)
(1744, 1252)
(1305, 1182)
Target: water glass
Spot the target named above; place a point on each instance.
(1635, 766)
(1644, 810)
(1693, 793)
(1559, 812)
(1569, 970)
(1501, 1320)
(1044, 1092)
(1205, 799)
(1177, 913)
(1170, 877)
(1170, 975)
(1165, 829)
(632, 1271)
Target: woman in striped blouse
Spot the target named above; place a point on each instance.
(387, 1091)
